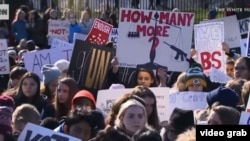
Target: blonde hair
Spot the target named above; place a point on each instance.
(179, 85)
(245, 92)
(189, 135)
(83, 13)
(124, 107)
(25, 113)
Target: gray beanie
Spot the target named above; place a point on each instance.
(50, 73)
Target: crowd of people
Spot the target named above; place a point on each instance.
(57, 103)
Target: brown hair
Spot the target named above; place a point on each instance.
(25, 113)
(180, 80)
(110, 134)
(143, 92)
(63, 109)
(110, 119)
(151, 73)
(189, 135)
(245, 92)
(236, 85)
(228, 115)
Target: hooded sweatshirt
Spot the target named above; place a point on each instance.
(80, 94)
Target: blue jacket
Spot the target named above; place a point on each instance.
(73, 28)
(86, 26)
(19, 30)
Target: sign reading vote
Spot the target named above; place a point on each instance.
(4, 12)
(33, 132)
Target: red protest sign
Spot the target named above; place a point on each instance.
(99, 33)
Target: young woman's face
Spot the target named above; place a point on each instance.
(15, 82)
(195, 88)
(29, 87)
(81, 130)
(72, 18)
(240, 70)
(62, 93)
(53, 86)
(31, 16)
(214, 119)
(144, 78)
(53, 15)
(134, 119)
(149, 105)
(230, 70)
(21, 15)
(84, 103)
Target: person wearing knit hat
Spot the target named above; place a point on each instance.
(116, 86)
(195, 80)
(7, 105)
(84, 99)
(63, 65)
(132, 117)
(51, 74)
(224, 96)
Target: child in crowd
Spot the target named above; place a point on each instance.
(22, 115)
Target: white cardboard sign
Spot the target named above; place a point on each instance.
(33, 132)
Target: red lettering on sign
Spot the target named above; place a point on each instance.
(209, 60)
(171, 18)
(58, 31)
(149, 30)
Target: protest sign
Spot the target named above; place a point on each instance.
(208, 39)
(4, 57)
(154, 39)
(32, 132)
(58, 29)
(114, 36)
(106, 98)
(127, 76)
(248, 42)
(90, 65)
(4, 12)
(187, 100)
(243, 24)
(244, 118)
(57, 43)
(79, 36)
(232, 36)
(99, 33)
(219, 76)
(35, 60)
(243, 47)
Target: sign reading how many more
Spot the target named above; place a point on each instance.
(58, 29)
(99, 33)
(208, 39)
(153, 39)
(4, 57)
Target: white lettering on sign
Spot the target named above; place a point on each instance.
(102, 27)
